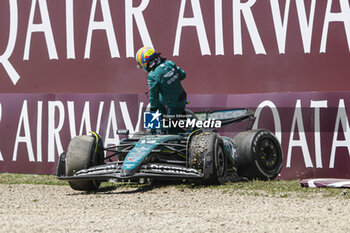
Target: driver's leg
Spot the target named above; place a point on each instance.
(175, 111)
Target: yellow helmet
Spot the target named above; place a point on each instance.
(143, 56)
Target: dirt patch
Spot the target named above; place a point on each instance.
(41, 208)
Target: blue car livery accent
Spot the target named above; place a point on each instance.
(141, 150)
(230, 149)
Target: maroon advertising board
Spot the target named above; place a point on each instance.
(62, 57)
(313, 128)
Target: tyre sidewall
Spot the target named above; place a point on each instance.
(260, 136)
(247, 160)
(82, 154)
(79, 154)
(207, 160)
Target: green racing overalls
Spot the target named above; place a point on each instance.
(165, 90)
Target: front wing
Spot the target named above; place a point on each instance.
(151, 170)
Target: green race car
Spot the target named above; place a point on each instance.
(195, 154)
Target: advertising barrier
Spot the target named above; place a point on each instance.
(225, 46)
(68, 67)
(313, 128)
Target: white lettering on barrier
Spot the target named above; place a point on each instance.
(56, 121)
(135, 12)
(71, 119)
(39, 157)
(240, 10)
(343, 16)
(305, 26)
(54, 132)
(106, 25)
(24, 120)
(99, 116)
(245, 9)
(280, 27)
(127, 120)
(85, 119)
(275, 115)
(302, 142)
(343, 119)
(196, 21)
(317, 129)
(219, 34)
(112, 120)
(45, 27)
(1, 158)
(4, 58)
(70, 29)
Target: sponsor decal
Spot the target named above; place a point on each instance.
(222, 114)
(98, 170)
(137, 153)
(172, 169)
(145, 141)
(128, 166)
(170, 81)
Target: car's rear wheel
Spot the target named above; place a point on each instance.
(206, 154)
(83, 153)
(220, 164)
(259, 154)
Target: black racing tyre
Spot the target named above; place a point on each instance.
(259, 154)
(206, 153)
(81, 155)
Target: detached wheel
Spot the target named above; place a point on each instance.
(206, 153)
(259, 154)
(81, 155)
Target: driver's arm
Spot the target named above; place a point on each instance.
(182, 73)
(153, 87)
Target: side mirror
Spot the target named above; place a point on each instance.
(123, 132)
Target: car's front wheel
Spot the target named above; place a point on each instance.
(206, 153)
(80, 155)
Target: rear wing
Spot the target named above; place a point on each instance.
(227, 117)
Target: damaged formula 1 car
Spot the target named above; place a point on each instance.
(194, 155)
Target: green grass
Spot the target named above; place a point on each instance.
(9, 178)
(282, 189)
(276, 188)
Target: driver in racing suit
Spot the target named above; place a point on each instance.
(166, 93)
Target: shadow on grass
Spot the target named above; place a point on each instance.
(125, 188)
